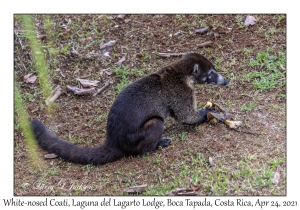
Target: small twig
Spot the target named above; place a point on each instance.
(246, 132)
(205, 44)
(119, 62)
(167, 55)
(136, 189)
(182, 192)
(101, 89)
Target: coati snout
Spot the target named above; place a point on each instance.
(211, 77)
(206, 74)
(136, 119)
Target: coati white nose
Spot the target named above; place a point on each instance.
(222, 80)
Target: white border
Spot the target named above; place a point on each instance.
(154, 6)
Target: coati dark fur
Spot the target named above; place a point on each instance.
(136, 119)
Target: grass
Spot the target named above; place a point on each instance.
(183, 136)
(239, 21)
(126, 76)
(280, 18)
(271, 31)
(53, 171)
(270, 74)
(217, 181)
(248, 106)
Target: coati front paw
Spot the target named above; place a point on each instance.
(203, 114)
(164, 143)
(204, 111)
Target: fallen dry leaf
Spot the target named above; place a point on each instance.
(201, 30)
(67, 31)
(140, 55)
(105, 70)
(62, 74)
(108, 72)
(121, 16)
(127, 20)
(216, 34)
(167, 55)
(282, 67)
(250, 20)
(50, 156)
(136, 189)
(30, 79)
(108, 44)
(88, 83)
(210, 160)
(76, 70)
(205, 44)
(42, 36)
(182, 192)
(27, 76)
(276, 178)
(106, 54)
(120, 61)
(74, 52)
(195, 187)
(79, 91)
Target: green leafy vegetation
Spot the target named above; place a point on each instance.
(271, 74)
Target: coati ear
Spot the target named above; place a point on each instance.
(196, 69)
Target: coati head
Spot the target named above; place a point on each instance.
(203, 70)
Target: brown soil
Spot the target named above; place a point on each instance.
(242, 161)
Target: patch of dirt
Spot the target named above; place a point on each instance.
(243, 161)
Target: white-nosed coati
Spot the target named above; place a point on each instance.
(136, 119)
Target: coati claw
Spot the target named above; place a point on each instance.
(164, 143)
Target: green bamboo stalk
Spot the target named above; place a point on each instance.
(31, 143)
(38, 55)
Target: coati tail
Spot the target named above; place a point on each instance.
(84, 155)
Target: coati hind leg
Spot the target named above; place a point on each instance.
(149, 137)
